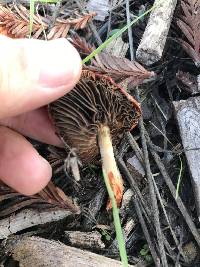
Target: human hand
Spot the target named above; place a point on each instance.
(33, 73)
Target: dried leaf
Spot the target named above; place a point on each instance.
(50, 197)
(83, 47)
(57, 197)
(119, 69)
(15, 21)
(189, 23)
(100, 7)
(15, 24)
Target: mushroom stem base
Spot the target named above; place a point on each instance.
(109, 164)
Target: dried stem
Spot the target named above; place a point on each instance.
(109, 164)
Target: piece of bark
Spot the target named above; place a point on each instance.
(29, 218)
(198, 83)
(40, 252)
(94, 208)
(117, 47)
(127, 197)
(151, 47)
(90, 240)
(188, 117)
(100, 7)
(136, 165)
(128, 228)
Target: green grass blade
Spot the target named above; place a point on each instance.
(118, 33)
(119, 233)
(32, 11)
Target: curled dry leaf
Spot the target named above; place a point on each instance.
(117, 68)
(15, 23)
(55, 196)
(50, 197)
(56, 158)
(189, 23)
(80, 43)
(88, 117)
(62, 26)
(120, 69)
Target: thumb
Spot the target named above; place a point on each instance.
(35, 72)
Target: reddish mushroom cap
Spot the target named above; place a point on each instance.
(96, 100)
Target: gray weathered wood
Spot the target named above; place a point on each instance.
(90, 240)
(188, 117)
(198, 83)
(151, 47)
(117, 47)
(29, 218)
(189, 82)
(100, 7)
(40, 252)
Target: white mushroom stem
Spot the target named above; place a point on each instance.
(109, 164)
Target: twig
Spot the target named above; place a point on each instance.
(91, 24)
(119, 33)
(153, 41)
(123, 148)
(172, 189)
(146, 233)
(109, 20)
(179, 177)
(166, 216)
(130, 35)
(155, 210)
(135, 147)
(134, 187)
(146, 211)
(55, 14)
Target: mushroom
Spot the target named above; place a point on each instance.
(92, 117)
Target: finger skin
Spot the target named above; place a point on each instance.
(34, 73)
(21, 167)
(34, 124)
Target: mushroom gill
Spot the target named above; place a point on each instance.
(91, 117)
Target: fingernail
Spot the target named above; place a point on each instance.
(58, 62)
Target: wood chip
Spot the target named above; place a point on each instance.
(90, 240)
(117, 47)
(198, 82)
(188, 82)
(151, 47)
(100, 7)
(37, 252)
(136, 164)
(29, 218)
(188, 117)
